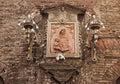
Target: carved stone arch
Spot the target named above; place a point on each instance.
(112, 73)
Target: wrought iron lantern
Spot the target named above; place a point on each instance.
(30, 27)
(94, 24)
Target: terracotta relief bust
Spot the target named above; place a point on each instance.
(62, 38)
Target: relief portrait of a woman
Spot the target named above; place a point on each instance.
(62, 38)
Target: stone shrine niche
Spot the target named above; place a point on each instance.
(63, 31)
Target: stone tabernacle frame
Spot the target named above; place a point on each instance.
(63, 38)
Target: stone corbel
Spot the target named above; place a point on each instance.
(61, 73)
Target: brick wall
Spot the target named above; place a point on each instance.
(12, 43)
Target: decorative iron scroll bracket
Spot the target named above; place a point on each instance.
(61, 73)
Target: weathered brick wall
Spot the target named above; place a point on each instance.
(12, 43)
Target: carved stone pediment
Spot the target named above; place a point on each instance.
(63, 12)
(79, 9)
(61, 73)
